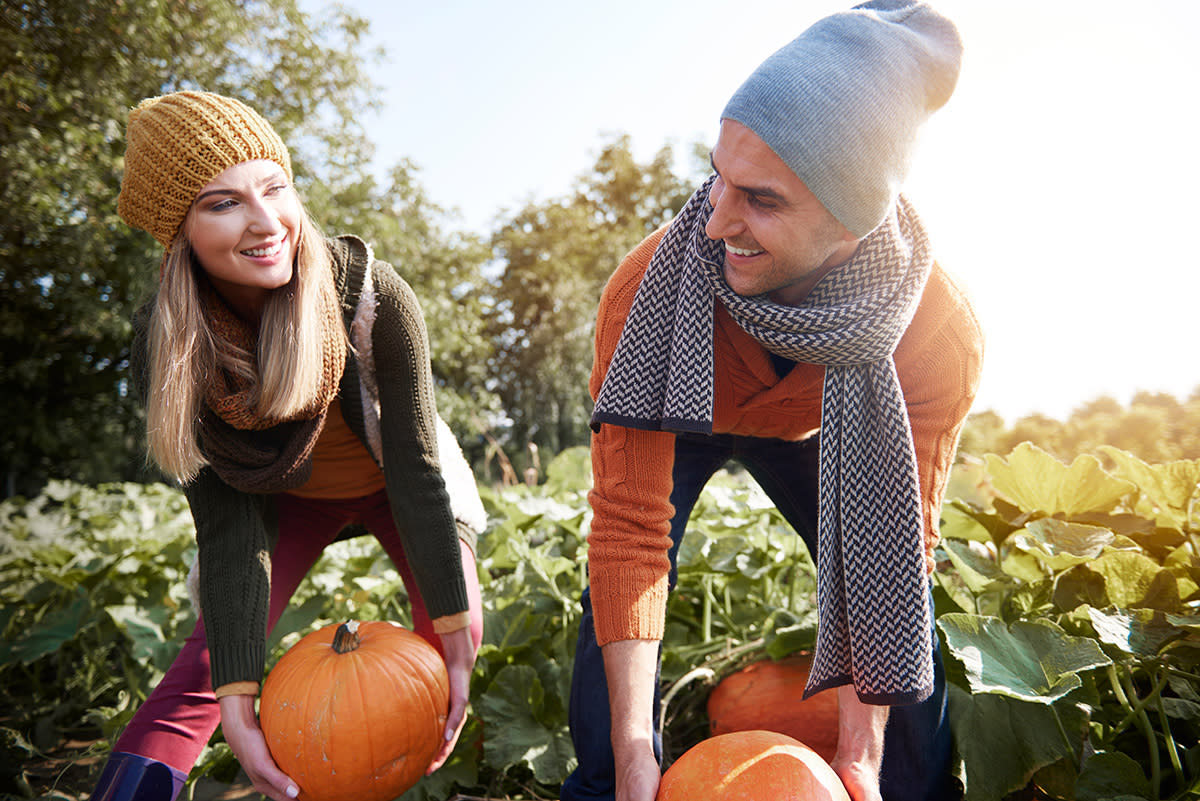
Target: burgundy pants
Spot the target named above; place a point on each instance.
(179, 717)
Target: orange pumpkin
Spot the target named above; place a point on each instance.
(751, 766)
(770, 695)
(356, 711)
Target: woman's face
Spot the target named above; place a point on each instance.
(243, 229)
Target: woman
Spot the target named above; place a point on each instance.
(288, 389)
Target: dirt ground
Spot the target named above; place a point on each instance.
(69, 773)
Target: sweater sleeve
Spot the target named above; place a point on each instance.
(939, 362)
(631, 489)
(412, 470)
(235, 575)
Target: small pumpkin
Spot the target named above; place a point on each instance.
(356, 711)
(770, 695)
(751, 766)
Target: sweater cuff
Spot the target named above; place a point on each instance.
(628, 610)
(237, 688)
(238, 662)
(448, 624)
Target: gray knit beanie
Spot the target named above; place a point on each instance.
(842, 103)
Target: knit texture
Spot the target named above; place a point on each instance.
(176, 144)
(236, 531)
(874, 619)
(842, 103)
(251, 451)
(938, 361)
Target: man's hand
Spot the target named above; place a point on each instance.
(629, 667)
(240, 726)
(638, 776)
(860, 745)
(460, 661)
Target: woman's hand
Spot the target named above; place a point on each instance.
(240, 726)
(459, 649)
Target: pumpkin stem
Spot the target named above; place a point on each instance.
(346, 639)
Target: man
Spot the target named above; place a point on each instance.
(791, 317)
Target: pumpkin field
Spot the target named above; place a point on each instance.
(1065, 599)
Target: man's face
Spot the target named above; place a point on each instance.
(779, 239)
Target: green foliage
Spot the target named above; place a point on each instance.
(94, 604)
(1068, 611)
(1066, 599)
(556, 257)
(1154, 426)
(71, 273)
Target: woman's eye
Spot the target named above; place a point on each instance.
(221, 206)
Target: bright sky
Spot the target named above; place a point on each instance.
(1061, 182)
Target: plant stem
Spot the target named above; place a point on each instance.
(706, 615)
(706, 673)
(1062, 730)
(1143, 721)
(1165, 724)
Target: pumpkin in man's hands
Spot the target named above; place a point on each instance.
(356, 711)
(751, 766)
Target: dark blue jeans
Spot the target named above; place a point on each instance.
(917, 743)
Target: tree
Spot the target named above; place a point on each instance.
(556, 257)
(404, 228)
(1155, 427)
(71, 273)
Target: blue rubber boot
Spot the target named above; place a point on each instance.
(129, 777)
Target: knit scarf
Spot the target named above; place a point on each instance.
(249, 451)
(871, 587)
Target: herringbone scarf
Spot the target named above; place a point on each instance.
(871, 586)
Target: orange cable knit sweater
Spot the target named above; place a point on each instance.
(938, 360)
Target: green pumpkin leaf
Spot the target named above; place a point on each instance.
(1037, 482)
(1033, 661)
(1138, 632)
(1111, 775)
(1009, 740)
(978, 572)
(514, 734)
(149, 642)
(959, 522)
(1135, 580)
(52, 631)
(1169, 487)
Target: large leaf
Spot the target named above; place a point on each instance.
(1003, 742)
(1037, 482)
(514, 733)
(51, 632)
(1135, 580)
(1032, 660)
(150, 645)
(1168, 487)
(980, 573)
(1138, 632)
(1060, 545)
(1111, 776)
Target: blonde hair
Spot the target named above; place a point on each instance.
(184, 351)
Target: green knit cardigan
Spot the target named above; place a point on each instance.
(387, 400)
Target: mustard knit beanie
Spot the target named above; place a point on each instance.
(842, 103)
(176, 144)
